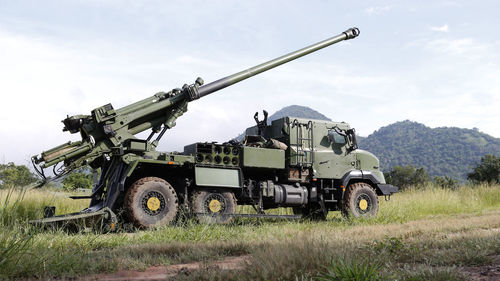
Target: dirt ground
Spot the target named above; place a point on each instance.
(484, 273)
(480, 273)
(169, 271)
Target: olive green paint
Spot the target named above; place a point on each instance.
(263, 158)
(217, 177)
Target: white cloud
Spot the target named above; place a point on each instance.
(443, 28)
(469, 48)
(377, 10)
(457, 84)
(451, 4)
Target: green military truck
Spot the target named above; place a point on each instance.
(312, 166)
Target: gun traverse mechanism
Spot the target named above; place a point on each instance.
(150, 186)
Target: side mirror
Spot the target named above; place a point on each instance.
(336, 137)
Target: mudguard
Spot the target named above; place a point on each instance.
(380, 188)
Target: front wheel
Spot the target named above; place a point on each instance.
(360, 200)
(213, 206)
(151, 202)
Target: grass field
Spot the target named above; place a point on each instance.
(421, 234)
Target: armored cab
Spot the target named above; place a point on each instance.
(327, 149)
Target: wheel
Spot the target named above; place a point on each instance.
(208, 206)
(151, 202)
(310, 212)
(360, 200)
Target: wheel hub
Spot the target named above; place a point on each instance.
(215, 203)
(363, 204)
(214, 206)
(153, 203)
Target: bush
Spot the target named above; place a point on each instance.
(446, 182)
(486, 171)
(13, 175)
(407, 176)
(77, 179)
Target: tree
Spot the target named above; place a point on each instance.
(77, 179)
(486, 171)
(406, 176)
(14, 175)
(446, 182)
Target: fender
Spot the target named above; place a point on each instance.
(366, 176)
(360, 174)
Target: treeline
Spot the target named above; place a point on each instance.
(20, 175)
(444, 152)
(486, 171)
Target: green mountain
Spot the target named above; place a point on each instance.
(297, 111)
(444, 151)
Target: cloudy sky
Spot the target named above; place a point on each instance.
(434, 62)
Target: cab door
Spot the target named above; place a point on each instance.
(332, 157)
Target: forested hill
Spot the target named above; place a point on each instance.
(445, 151)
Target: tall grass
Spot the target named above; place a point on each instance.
(20, 205)
(430, 201)
(353, 270)
(28, 252)
(19, 242)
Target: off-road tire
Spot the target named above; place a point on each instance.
(352, 203)
(201, 199)
(137, 208)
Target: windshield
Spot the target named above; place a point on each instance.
(341, 137)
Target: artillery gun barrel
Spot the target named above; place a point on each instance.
(242, 75)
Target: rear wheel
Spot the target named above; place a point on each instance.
(151, 202)
(360, 200)
(212, 206)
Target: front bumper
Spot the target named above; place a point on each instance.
(386, 189)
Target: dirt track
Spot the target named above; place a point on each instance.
(169, 271)
(479, 273)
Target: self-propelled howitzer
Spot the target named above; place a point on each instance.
(304, 164)
(107, 128)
